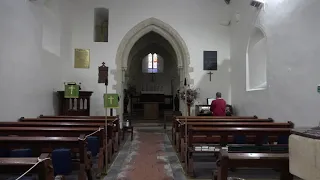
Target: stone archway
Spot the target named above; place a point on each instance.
(133, 35)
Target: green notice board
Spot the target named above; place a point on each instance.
(71, 91)
(111, 100)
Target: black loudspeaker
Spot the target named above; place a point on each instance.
(227, 1)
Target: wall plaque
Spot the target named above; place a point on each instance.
(82, 58)
(210, 60)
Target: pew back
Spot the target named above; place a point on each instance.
(79, 117)
(205, 133)
(234, 124)
(55, 132)
(51, 124)
(215, 117)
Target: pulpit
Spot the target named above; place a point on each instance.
(74, 106)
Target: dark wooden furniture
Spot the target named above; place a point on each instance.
(215, 139)
(20, 165)
(52, 124)
(114, 134)
(78, 117)
(177, 122)
(60, 132)
(256, 160)
(75, 106)
(203, 135)
(42, 144)
(127, 129)
(165, 102)
(65, 120)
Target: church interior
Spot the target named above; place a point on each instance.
(127, 89)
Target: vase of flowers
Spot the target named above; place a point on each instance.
(189, 95)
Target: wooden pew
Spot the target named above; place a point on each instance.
(180, 135)
(40, 144)
(52, 124)
(64, 132)
(116, 130)
(215, 117)
(178, 122)
(255, 160)
(23, 119)
(206, 133)
(79, 117)
(43, 166)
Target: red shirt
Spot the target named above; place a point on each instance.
(218, 107)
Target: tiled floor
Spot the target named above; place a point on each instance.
(151, 156)
(148, 157)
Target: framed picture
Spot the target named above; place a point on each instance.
(210, 60)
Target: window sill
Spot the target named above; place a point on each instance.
(256, 89)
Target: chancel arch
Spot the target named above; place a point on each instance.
(178, 51)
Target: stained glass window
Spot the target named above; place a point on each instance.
(155, 61)
(150, 61)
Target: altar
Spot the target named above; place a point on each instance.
(151, 103)
(304, 150)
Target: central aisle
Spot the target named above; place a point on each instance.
(149, 156)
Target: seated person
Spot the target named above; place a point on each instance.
(218, 106)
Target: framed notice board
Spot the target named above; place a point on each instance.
(210, 60)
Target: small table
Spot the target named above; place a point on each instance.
(127, 129)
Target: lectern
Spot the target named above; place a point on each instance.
(74, 106)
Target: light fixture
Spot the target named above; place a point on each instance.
(257, 3)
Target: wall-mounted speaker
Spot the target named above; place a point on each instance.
(227, 1)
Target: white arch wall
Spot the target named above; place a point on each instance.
(137, 32)
(200, 30)
(293, 61)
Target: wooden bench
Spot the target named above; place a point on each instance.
(205, 135)
(177, 123)
(43, 166)
(52, 124)
(215, 117)
(255, 160)
(115, 136)
(79, 117)
(40, 144)
(180, 135)
(23, 119)
(63, 132)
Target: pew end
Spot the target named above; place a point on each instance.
(42, 166)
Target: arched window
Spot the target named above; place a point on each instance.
(256, 61)
(152, 63)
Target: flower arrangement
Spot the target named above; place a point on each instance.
(189, 94)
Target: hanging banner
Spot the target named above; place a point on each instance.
(71, 91)
(111, 100)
